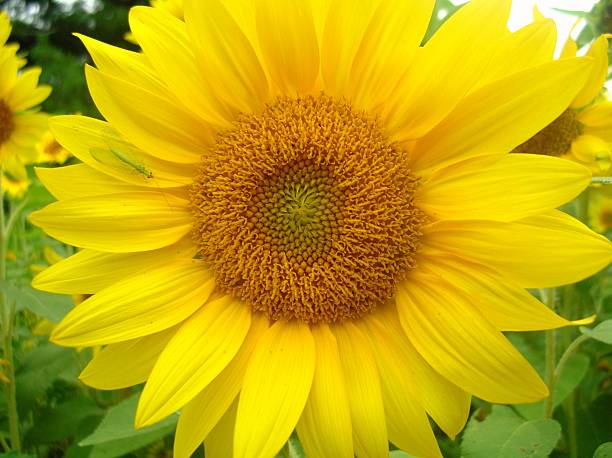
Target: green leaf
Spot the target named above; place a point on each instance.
(601, 332)
(533, 439)
(40, 368)
(400, 454)
(504, 434)
(118, 424)
(62, 421)
(604, 451)
(52, 307)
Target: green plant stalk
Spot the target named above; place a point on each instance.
(549, 299)
(8, 319)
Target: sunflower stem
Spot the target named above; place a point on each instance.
(601, 180)
(8, 319)
(549, 299)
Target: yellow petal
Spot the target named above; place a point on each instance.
(461, 345)
(119, 223)
(101, 147)
(447, 404)
(535, 43)
(364, 392)
(598, 74)
(541, 251)
(25, 93)
(325, 426)
(220, 441)
(478, 188)
(407, 422)
(448, 66)
(199, 416)
(390, 41)
(502, 115)
(507, 306)
(164, 41)
(153, 123)
(288, 41)
(225, 55)
(201, 348)
(275, 389)
(597, 120)
(123, 64)
(570, 49)
(90, 271)
(125, 364)
(347, 19)
(137, 306)
(587, 148)
(80, 180)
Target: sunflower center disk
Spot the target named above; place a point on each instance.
(556, 138)
(305, 210)
(7, 125)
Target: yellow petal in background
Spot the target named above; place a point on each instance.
(275, 390)
(541, 251)
(137, 306)
(598, 73)
(125, 364)
(201, 414)
(201, 348)
(461, 345)
(119, 223)
(478, 188)
(364, 392)
(500, 116)
(325, 426)
(288, 41)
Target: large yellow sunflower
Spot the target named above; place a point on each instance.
(294, 217)
(583, 132)
(20, 126)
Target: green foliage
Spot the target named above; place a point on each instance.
(504, 434)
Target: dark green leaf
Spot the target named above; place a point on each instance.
(41, 367)
(62, 421)
(601, 332)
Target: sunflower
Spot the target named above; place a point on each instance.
(49, 150)
(583, 132)
(294, 217)
(14, 187)
(600, 209)
(20, 126)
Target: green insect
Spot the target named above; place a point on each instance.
(113, 156)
